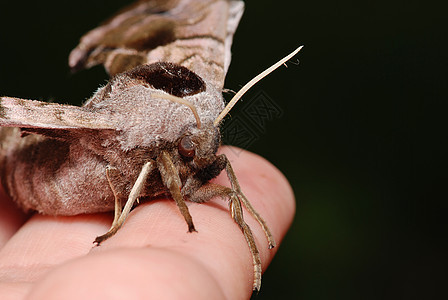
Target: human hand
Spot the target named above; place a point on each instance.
(152, 256)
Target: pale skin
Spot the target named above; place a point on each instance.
(152, 256)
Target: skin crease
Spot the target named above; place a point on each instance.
(152, 256)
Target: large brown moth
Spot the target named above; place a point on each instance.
(152, 130)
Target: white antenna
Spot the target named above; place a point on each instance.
(251, 83)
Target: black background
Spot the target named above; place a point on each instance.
(361, 139)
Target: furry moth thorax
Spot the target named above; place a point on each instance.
(153, 119)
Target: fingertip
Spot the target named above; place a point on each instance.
(11, 218)
(145, 273)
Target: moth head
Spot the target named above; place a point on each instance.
(199, 145)
(200, 140)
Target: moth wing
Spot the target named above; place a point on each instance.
(196, 34)
(15, 112)
(236, 10)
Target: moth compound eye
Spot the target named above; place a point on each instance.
(186, 147)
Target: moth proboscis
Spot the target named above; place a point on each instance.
(152, 130)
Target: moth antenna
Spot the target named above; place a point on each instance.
(181, 101)
(251, 83)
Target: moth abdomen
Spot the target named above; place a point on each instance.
(50, 176)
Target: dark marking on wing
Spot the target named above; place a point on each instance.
(148, 36)
(151, 35)
(123, 62)
(169, 77)
(149, 31)
(202, 36)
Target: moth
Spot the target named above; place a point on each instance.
(152, 130)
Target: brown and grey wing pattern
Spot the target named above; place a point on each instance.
(196, 34)
(15, 112)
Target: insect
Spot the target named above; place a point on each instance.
(152, 130)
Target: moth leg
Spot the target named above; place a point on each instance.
(208, 191)
(112, 172)
(236, 212)
(171, 180)
(211, 190)
(133, 195)
(236, 187)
